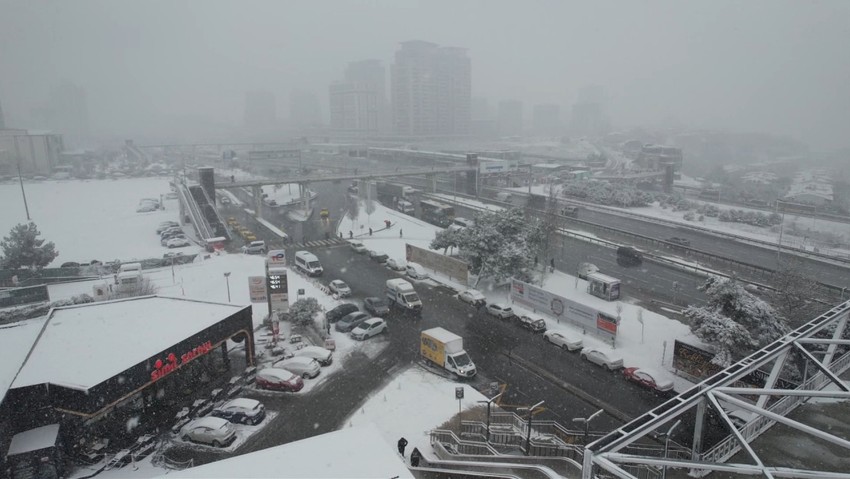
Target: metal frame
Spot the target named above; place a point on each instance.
(606, 453)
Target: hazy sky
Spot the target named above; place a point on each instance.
(772, 65)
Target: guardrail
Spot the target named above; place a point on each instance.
(197, 219)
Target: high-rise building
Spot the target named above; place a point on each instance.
(260, 109)
(358, 104)
(546, 119)
(431, 90)
(510, 118)
(588, 115)
(304, 110)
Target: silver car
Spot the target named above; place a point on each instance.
(211, 430)
(300, 365)
(339, 287)
(566, 341)
(606, 359)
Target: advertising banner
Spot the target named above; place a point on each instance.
(18, 296)
(257, 289)
(539, 299)
(453, 268)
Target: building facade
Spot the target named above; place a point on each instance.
(358, 104)
(431, 90)
(37, 151)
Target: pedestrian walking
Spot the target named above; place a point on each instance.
(552, 265)
(415, 456)
(370, 231)
(350, 234)
(402, 443)
(340, 235)
(535, 261)
(400, 233)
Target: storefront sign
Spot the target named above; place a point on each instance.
(257, 289)
(277, 257)
(172, 361)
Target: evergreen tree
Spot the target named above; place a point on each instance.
(24, 249)
(734, 321)
(303, 311)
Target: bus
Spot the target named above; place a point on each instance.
(437, 213)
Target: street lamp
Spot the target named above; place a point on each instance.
(586, 422)
(227, 280)
(667, 445)
(530, 417)
(489, 402)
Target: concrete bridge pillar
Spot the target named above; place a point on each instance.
(257, 191)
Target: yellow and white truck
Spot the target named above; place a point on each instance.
(445, 349)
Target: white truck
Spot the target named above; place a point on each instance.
(401, 293)
(445, 349)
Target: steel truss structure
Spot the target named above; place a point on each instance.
(819, 344)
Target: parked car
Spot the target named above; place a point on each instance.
(606, 359)
(279, 380)
(648, 379)
(300, 365)
(473, 297)
(357, 246)
(535, 325)
(231, 221)
(178, 242)
(215, 431)
(70, 264)
(585, 269)
(171, 230)
(165, 225)
(147, 208)
(501, 311)
(351, 321)
(376, 306)
(164, 241)
(370, 327)
(320, 354)
(255, 247)
(566, 341)
(378, 257)
(397, 264)
(416, 271)
(171, 196)
(201, 407)
(241, 411)
(340, 312)
(679, 241)
(339, 287)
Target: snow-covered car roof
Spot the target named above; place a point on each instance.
(277, 373)
(243, 403)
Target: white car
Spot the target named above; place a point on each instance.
(320, 354)
(300, 365)
(178, 242)
(501, 311)
(211, 430)
(370, 327)
(416, 271)
(339, 287)
(473, 297)
(606, 359)
(397, 264)
(567, 341)
(357, 246)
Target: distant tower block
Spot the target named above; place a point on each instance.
(206, 175)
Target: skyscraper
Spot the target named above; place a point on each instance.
(510, 117)
(431, 89)
(260, 109)
(588, 115)
(358, 104)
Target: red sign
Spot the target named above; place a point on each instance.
(606, 323)
(164, 368)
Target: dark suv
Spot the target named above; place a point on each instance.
(628, 256)
(340, 311)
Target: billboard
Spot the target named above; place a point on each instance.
(257, 289)
(539, 299)
(278, 290)
(453, 268)
(19, 296)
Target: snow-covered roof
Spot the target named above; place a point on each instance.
(16, 340)
(335, 454)
(84, 345)
(34, 439)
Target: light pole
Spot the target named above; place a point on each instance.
(530, 417)
(227, 280)
(586, 422)
(23, 193)
(667, 445)
(489, 402)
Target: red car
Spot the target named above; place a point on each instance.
(648, 379)
(279, 380)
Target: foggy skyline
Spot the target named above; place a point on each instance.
(147, 67)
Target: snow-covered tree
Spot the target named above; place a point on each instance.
(24, 249)
(303, 311)
(734, 321)
(794, 292)
(500, 245)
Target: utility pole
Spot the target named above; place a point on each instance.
(23, 193)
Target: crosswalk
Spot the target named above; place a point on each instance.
(335, 241)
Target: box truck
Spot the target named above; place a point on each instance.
(445, 349)
(401, 293)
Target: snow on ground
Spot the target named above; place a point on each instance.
(413, 231)
(92, 219)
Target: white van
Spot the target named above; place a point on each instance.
(308, 263)
(130, 267)
(405, 207)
